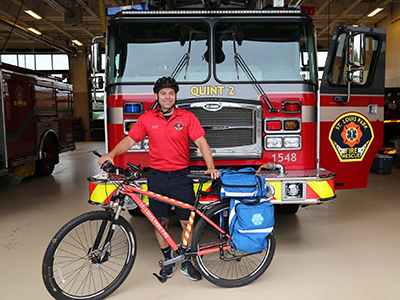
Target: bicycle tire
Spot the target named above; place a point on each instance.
(68, 270)
(233, 273)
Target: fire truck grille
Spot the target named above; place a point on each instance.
(221, 126)
(223, 139)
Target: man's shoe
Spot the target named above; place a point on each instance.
(189, 270)
(169, 269)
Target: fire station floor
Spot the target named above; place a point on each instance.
(345, 249)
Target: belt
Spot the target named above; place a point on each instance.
(181, 171)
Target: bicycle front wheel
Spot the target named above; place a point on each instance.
(72, 269)
(238, 268)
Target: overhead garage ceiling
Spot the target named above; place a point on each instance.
(66, 20)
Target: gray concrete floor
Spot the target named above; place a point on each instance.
(347, 249)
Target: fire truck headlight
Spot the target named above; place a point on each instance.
(146, 144)
(274, 142)
(294, 190)
(293, 142)
(137, 146)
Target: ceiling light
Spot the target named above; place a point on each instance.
(34, 31)
(77, 42)
(34, 15)
(374, 12)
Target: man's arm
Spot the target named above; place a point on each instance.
(123, 146)
(205, 150)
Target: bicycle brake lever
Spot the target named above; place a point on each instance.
(162, 277)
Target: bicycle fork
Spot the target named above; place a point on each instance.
(104, 253)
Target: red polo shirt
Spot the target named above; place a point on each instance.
(168, 140)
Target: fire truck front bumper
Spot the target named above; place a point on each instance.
(304, 187)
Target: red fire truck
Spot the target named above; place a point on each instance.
(36, 121)
(251, 78)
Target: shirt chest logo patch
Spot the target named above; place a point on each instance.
(154, 126)
(178, 125)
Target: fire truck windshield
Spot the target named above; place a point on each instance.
(272, 51)
(144, 50)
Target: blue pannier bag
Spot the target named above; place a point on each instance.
(242, 183)
(251, 220)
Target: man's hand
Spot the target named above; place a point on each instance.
(104, 158)
(214, 173)
(124, 145)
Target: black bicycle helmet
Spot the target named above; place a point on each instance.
(165, 82)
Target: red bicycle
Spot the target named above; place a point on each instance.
(92, 255)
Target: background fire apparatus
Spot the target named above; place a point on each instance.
(251, 78)
(36, 121)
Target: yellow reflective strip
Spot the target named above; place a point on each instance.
(144, 197)
(101, 192)
(204, 188)
(187, 235)
(322, 188)
(189, 227)
(278, 189)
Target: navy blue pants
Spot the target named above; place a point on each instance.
(174, 184)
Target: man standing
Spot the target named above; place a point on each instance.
(169, 130)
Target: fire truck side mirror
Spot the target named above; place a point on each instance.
(355, 76)
(356, 50)
(97, 82)
(95, 59)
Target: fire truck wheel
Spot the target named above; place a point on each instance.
(45, 166)
(287, 208)
(135, 212)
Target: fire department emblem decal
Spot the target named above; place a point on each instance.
(178, 125)
(351, 135)
(19, 97)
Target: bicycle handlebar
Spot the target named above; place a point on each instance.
(96, 153)
(131, 173)
(201, 177)
(134, 172)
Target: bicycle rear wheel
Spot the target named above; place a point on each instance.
(70, 267)
(230, 272)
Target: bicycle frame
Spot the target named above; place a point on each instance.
(132, 191)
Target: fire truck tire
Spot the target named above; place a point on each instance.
(286, 208)
(45, 166)
(135, 212)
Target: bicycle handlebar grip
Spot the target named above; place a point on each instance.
(200, 176)
(96, 153)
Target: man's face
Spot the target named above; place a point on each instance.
(166, 98)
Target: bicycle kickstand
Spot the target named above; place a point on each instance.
(163, 274)
(162, 277)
